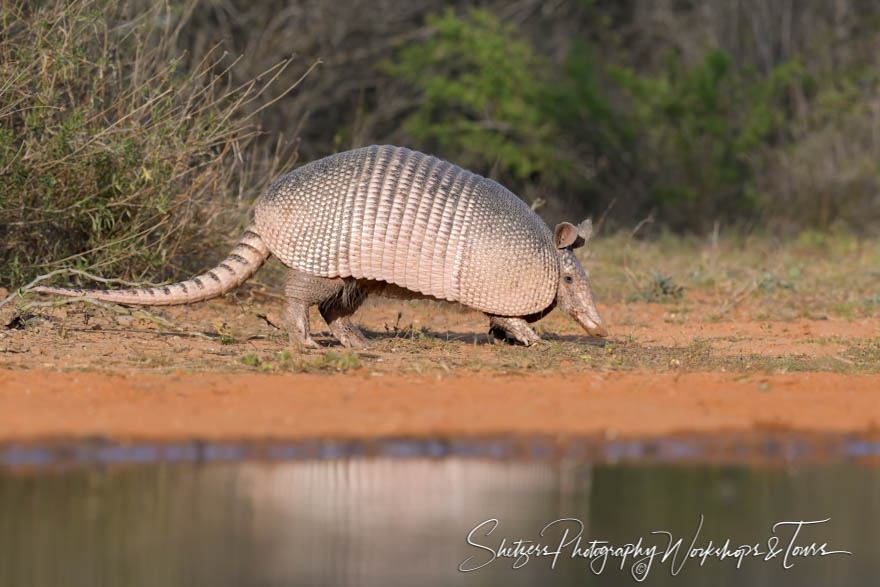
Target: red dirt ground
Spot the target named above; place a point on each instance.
(40, 405)
(80, 371)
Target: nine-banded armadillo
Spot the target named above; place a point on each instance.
(389, 220)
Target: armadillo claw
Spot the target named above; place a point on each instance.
(347, 333)
(303, 344)
(354, 340)
(512, 330)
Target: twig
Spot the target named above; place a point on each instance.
(46, 276)
(632, 277)
(641, 223)
(629, 273)
(598, 225)
(285, 92)
(265, 319)
(112, 243)
(139, 313)
(737, 297)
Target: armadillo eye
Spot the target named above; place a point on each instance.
(568, 279)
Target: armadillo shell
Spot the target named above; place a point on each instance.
(391, 214)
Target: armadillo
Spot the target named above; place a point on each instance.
(389, 220)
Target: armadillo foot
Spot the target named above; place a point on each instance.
(348, 334)
(337, 311)
(298, 328)
(338, 318)
(303, 343)
(512, 330)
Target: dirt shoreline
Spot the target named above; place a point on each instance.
(44, 405)
(220, 371)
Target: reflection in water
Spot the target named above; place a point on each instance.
(382, 521)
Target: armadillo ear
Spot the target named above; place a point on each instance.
(566, 235)
(585, 229)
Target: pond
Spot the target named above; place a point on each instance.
(436, 513)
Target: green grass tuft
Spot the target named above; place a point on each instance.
(659, 288)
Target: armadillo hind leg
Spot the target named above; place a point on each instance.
(300, 293)
(296, 316)
(337, 311)
(512, 329)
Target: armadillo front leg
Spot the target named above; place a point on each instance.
(301, 292)
(337, 312)
(512, 329)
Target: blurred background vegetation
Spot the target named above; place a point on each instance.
(131, 143)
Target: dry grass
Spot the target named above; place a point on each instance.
(812, 275)
(113, 158)
(747, 305)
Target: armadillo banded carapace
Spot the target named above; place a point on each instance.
(395, 215)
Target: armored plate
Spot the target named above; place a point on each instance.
(391, 214)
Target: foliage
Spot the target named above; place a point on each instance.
(128, 144)
(702, 130)
(693, 135)
(112, 157)
(697, 137)
(481, 96)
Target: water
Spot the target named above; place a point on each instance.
(404, 520)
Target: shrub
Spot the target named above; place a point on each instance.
(112, 158)
(703, 130)
(481, 96)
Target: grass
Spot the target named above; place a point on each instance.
(721, 286)
(865, 353)
(810, 275)
(659, 288)
(225, 334)
(326, 362)
(565, 357)
(433, 354)
(118, 161)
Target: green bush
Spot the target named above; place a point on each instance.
(701, 133)
(482, 96)
(693, 139)
(687, 140)
(112, 158)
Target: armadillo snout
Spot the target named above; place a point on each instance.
(574, 295)
(593, 327)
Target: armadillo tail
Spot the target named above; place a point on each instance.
(242, 262)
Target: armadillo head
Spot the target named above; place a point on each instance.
(574, 295)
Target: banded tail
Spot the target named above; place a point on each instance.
(242, 262)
